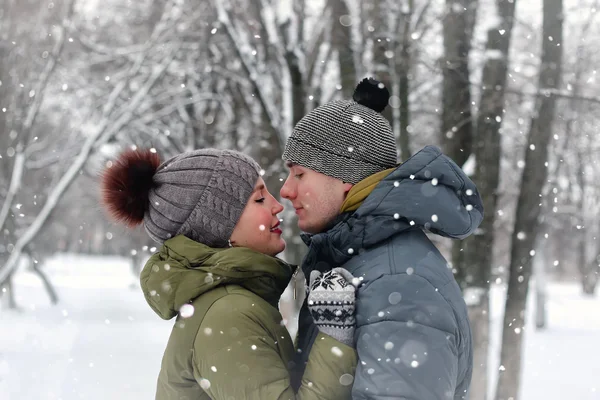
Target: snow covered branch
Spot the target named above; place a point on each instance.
(32, 113)
(106, 129)
(264, 98)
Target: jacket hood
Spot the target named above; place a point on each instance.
(428, 191)
(184, 269)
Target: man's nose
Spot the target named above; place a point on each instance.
(287, 191)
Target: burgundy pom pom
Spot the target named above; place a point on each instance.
(126, 185)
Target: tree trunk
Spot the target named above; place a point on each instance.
(474, 263)
(404, 92)
(590, 279)
(480, 325)
(539, 269)
(402, 76)
(528, 206)
(383, 48)
(457, 118)
(7, 294)
(46, 281)
(341, 40)
(587, 275)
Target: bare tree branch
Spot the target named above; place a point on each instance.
(32, 113)
(106, 129)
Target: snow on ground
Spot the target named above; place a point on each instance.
(104, 342)
(101, 342)
(560, 361)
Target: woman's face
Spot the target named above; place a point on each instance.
(258, 226)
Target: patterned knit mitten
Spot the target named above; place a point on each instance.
(331, 301)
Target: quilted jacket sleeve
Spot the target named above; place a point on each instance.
(406, 341)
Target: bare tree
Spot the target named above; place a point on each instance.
(342, 41)
(528, 206)
(392, 30)
(116, 114)
(473, 257)
(20, 125)
(457, 117)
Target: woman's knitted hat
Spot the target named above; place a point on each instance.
(200, 194)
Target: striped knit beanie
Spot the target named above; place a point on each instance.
(347, 139)
(199, 194)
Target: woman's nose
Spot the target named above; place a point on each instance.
(277, 208)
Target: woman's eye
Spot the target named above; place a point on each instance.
(261, 200)
(298, 176)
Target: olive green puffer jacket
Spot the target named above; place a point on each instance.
(228, 341)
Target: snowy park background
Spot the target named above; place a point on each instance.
(507, 88)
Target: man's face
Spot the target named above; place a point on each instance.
(317, 198)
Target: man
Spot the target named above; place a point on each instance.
(363, 212)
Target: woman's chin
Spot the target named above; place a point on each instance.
(279, 248)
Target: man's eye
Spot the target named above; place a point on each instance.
(261, 200)
(298, 176)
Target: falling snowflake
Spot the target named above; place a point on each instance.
(336, 351)
(357, 119)
(205, 384)
(346, 379)
(394, 298)
(186, 311)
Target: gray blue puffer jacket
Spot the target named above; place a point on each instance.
(413, 335)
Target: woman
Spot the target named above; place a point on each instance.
(217, 273)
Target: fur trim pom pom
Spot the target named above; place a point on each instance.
(126, 185)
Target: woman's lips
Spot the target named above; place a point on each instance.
(276, 229)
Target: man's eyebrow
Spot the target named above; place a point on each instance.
(259, 188)
(290, 164)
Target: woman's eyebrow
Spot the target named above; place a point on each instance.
(259, 188)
